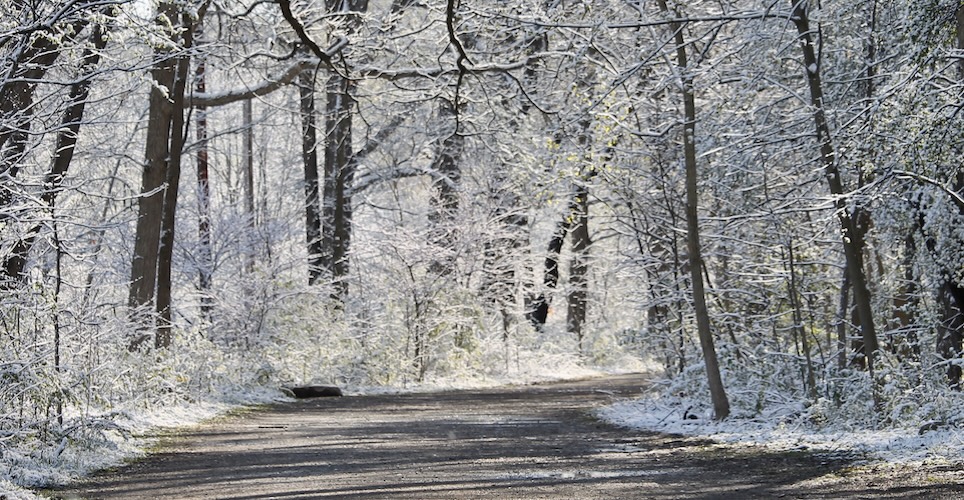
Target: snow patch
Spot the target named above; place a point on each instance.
(901, 445)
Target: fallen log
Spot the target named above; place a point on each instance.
(313, 391)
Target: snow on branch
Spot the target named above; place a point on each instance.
(954, 195)
(213, 99)
(372, 178)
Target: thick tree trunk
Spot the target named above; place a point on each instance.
(165, 259)
(309, 151)
(579, 266)
(951, 294)
(447, 173)
(339, 177)
(157, 206)
(537, 309)
(150, 205)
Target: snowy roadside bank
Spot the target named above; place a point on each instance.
(120, 437)
(899, 445)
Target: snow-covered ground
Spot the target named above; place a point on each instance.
(908, 445)
(125, 435)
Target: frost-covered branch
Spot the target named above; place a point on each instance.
(213, 99)
(955, 196)
(371, 179)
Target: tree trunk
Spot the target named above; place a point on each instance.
(249, 179)
(579, 266)
(309, 151)
(154, 239)
(339, 177)
(951, 293)
(205, 258)
(852, 237)
(165, 256)
(537, 309)
(448, 176)
(721, 405)
(151, 202)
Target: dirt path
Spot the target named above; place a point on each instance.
(517, 442)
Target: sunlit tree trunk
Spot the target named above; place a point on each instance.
(339, 177)
(153, 177)
(154, 239)
(447, 174)
(336, 211)
(249, 205)
(28, 61)
(721, 405)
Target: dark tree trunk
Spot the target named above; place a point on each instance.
(309, 151)
(249, 179)
(154, 240)
(579, 266)
(537, 310)
(853, 243)
(205, 258)
(951, 293)
(339, 177)
(951, 331)
(165, 258)
(150, 206)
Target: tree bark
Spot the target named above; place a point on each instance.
(205, 258)
(951, 293)
(339, 177)
(309, 151)
(165, 259)
(154, 239)
(537, 310)
(721, 405)
(153, 177)
(579, 266)
(447, 172)
(852, 236)
(249, 206)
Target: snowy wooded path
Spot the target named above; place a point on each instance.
(516, 442)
